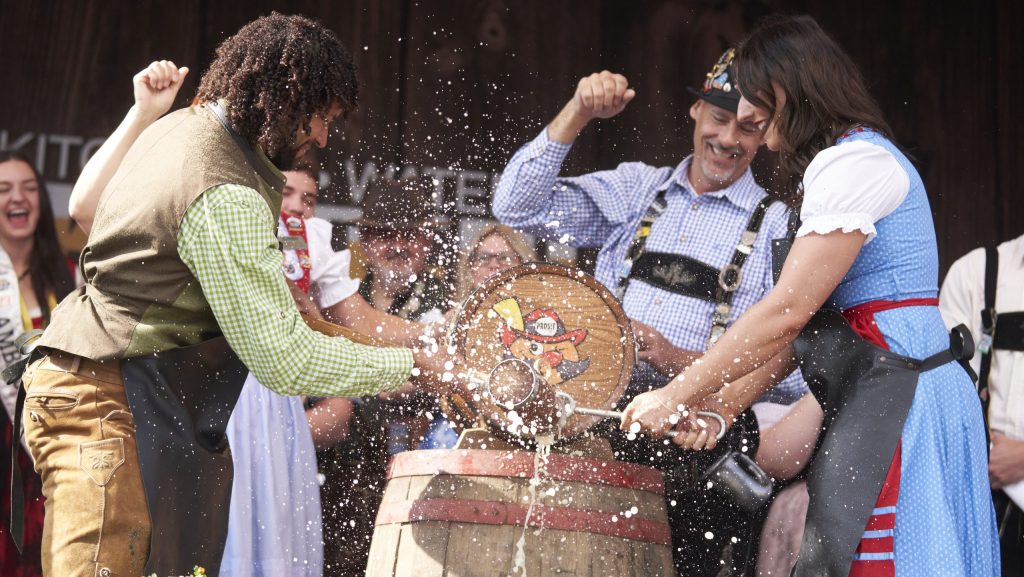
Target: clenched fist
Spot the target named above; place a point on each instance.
(600, 95)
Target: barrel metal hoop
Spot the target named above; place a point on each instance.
(500, 513)
(520, 464)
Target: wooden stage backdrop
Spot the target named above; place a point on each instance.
(453, 87)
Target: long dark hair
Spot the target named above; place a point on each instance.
(825, 93)
(47, 263)
(276, 72)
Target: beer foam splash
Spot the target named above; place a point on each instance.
(540, 463)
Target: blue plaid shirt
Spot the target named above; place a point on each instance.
(603, 210)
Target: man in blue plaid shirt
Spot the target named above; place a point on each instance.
(709, 199)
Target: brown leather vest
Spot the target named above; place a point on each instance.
(139, 297)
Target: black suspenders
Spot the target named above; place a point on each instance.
(639, 241)
(728, 278)
(988, 322)
(999, 331)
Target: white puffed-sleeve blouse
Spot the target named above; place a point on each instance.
(851, 186)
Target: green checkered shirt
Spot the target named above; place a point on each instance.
(227, 240)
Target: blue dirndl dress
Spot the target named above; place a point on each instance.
(944, 519)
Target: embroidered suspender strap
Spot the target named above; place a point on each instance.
(730, 276)
(988, 326)
(793, 222)
(639, 241)
(677, 274)
(988, 323)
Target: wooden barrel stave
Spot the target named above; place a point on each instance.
(476, 553)
(384, 549)
(422, 551)
(428, 548)
(443, 549)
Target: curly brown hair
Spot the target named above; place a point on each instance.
(276, 73)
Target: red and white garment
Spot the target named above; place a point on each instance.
(317, 269)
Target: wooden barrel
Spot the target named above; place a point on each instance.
(462, 513)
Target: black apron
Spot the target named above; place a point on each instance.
(181, 400)
(866, 393)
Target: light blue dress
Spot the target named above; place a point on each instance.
(274, 526)
(945, 523)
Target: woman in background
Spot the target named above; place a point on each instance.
(495, 248)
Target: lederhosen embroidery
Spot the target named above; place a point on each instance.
(686, 276)
(636, 249)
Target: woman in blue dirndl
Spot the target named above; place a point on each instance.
(898, 485)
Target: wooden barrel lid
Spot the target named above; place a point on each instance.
(560, 321)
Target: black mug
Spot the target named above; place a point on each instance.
(736, 477)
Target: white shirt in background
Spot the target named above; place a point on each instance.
(961, 301)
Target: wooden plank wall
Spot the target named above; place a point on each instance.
(460, 84)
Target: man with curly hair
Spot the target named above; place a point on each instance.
(127, 398)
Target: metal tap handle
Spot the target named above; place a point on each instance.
(721, 422)
(618, 415)
(598, 413)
